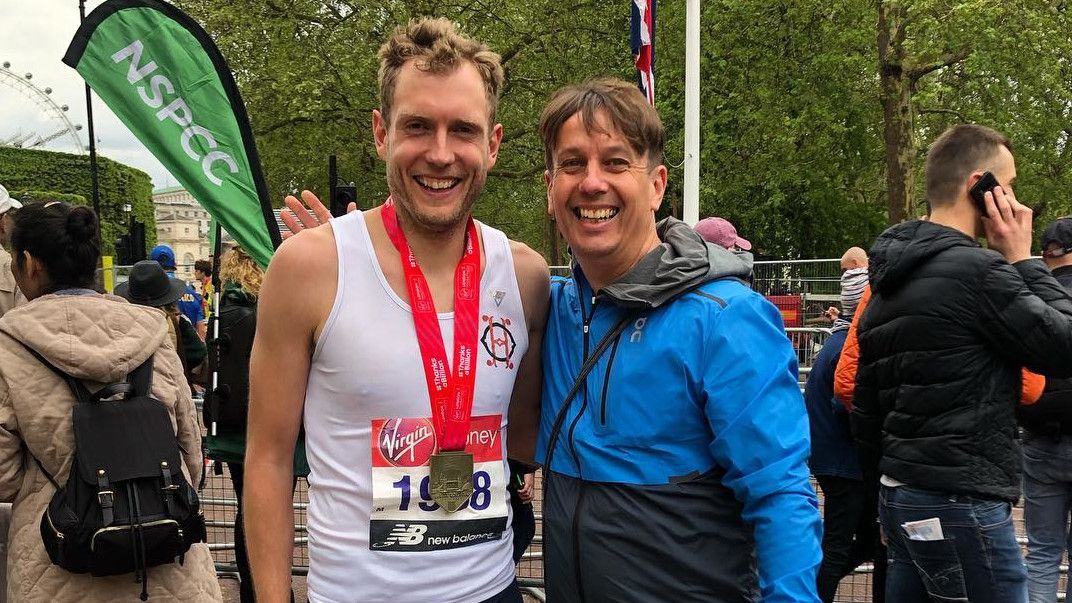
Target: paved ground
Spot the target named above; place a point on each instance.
(230, 590)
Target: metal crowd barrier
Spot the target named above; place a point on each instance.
(816, 282)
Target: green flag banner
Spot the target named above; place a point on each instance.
(159, 71)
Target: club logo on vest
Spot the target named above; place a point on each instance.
(498, 341)
(407, 442)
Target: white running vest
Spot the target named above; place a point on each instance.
(374, 533)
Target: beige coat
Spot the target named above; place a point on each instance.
(96, 338)
(10, 296)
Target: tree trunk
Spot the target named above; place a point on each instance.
(896, 98)
(554, 246)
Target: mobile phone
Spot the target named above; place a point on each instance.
(985, 184)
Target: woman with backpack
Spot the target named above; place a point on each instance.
(241, 279)
(65, 356)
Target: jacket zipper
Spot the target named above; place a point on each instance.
(584, 401)
(606, 383)
(577, 573)
(148, 524)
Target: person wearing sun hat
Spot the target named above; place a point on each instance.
(149, 285)
(10, 296)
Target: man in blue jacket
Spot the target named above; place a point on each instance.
(673, 434)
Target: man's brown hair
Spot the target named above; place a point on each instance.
(622, 103)
(955, 154)
(437, 47)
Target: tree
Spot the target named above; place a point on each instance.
(1000, 64)
(307, 73)
(812, 119)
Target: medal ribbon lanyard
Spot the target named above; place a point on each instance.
(451, 396)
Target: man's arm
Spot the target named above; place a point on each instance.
(533, 280)
(1027, 315)
(198, 319)
(760, 424)
(298, 291)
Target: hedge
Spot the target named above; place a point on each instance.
(48, 175)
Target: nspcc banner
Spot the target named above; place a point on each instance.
(160, 73)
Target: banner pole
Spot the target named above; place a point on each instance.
(92, 136)
(212, 399)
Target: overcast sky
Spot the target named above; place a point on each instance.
(35, 35)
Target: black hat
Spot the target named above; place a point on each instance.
(149, 285)
(1059, 232)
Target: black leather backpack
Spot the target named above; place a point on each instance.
(126, 505)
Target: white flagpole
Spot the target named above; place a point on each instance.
(691, 209)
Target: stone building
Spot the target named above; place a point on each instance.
(182, 224)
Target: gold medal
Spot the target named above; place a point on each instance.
(451, 478)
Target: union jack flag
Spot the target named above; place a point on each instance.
(642, 41)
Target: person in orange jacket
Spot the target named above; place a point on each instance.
(845, 373)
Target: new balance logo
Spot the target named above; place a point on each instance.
(404, 535)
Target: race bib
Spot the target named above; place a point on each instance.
(404, 517)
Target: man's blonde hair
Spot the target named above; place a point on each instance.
(437, 47)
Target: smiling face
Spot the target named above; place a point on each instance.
(603, 195)
(438, 145)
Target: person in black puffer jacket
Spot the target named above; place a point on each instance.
(1048, 449)
(942, 343)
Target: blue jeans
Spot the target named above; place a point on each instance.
(978, 560)
(1047, 502)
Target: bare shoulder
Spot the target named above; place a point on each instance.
(307, 253)
(528, 264)
(301, 279)
(533, 280)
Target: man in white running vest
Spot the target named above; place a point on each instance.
(402, 333)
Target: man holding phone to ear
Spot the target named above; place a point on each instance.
(942, 343)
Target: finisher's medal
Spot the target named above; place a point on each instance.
(451, 395)
(450, 479)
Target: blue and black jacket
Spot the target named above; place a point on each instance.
(680, 465)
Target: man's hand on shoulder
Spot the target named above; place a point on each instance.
(299, 216)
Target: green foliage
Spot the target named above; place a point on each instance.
(792, 147)
(790, 130)
(1004, 65)
(46, 196)
(52, 176)
(307, 73)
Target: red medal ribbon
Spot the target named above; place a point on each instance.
(451, 396)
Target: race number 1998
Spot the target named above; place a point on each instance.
(404, 517)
